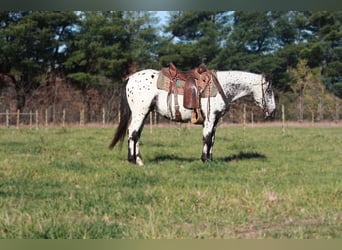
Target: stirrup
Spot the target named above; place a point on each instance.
(197, 117)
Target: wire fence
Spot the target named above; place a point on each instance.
(36, 119)
(45, 118)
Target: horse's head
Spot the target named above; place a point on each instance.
(264, 97)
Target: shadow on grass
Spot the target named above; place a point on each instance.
(243, 156)
(169, 157)
(235, 157)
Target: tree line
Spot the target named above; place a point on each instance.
(300, 50)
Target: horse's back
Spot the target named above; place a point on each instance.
(144, 75)
(143, 80)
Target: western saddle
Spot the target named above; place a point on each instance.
(196, 81)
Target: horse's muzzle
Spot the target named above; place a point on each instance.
(269, 115)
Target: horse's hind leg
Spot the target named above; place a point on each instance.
(141, 92)
(133, 148)
(139, 113)
(134, 132)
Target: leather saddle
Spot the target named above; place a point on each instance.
(196, 81)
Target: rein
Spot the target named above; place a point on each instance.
(265, 109)
(220, 90)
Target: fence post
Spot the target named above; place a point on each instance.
(7, 118)
(46, 118)
(103, 117)
(31, 119)
(244, 118)
(119, 116)
(63, 119)
(337, 110)
(151, 121)
(283, 118)
(18, 118)
(54, 114)
(37, 120)
(155, 117)
(82, 117)
(300, 109)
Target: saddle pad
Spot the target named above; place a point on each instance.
(163, 83)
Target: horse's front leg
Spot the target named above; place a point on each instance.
(208, 141)
(209, 129)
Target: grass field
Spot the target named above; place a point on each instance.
(65, 183)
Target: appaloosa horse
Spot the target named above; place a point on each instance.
(141, 95)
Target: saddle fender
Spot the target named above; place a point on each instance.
(191, 94)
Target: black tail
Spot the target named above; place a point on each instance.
(125, 116)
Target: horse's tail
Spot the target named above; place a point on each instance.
(125, 116)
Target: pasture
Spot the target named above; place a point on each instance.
(65, 183)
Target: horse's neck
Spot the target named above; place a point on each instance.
(235, 88)
(239, 90)
(237, 84)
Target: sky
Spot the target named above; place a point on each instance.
(163, 15)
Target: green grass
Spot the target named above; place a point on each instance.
(59, 183)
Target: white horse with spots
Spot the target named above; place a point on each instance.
(142, 95)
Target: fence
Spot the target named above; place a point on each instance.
(45, 118)
(39, 118)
